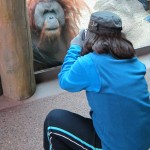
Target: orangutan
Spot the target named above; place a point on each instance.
(53, 24)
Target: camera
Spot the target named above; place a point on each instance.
(84, 34)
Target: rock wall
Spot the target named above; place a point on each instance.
(132, 13)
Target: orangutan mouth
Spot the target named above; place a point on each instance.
(51, 29)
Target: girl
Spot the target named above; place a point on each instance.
(103, 63)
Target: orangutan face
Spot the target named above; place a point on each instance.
(49, 18)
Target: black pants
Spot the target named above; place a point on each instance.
(64, 130)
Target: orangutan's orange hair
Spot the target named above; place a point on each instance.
(72, 9)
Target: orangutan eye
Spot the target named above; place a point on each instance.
(53, 11)
(46, 11)
(49, 11)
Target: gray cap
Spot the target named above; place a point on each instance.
(102, 20)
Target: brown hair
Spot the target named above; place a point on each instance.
(110, 42)
(73, 11)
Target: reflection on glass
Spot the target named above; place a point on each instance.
(54, 24)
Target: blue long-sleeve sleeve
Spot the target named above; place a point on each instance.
(77, 72)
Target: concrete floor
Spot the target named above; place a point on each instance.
(43, 90)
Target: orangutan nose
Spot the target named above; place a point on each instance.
(51, 17)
